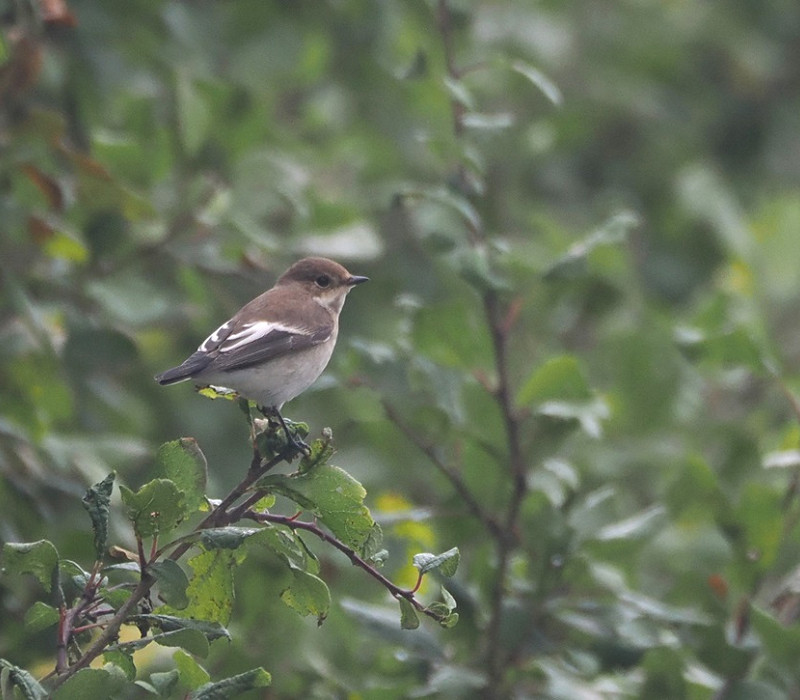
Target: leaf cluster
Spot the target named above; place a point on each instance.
(194, 607)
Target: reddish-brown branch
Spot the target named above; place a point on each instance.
(355, 559)
(111, 631)
(497, 320)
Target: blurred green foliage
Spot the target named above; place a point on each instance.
(599, 201)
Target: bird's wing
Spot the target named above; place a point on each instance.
(237, 345)
(260, 341)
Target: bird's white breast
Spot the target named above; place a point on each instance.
(279, 380)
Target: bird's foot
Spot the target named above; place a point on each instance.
(290, 430)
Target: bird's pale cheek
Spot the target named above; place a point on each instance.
(331, 302)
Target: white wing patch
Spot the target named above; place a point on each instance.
(252, 332)
(213, 339)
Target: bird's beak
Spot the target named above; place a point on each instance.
(353, 280)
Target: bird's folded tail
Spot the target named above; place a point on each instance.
(186, 370)
(172, 376)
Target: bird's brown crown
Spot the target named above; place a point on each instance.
(309, 269)
(322, 272)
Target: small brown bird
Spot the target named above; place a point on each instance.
(277, 345)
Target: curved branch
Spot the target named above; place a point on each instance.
(350, 553)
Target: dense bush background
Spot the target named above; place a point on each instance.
(605, 194)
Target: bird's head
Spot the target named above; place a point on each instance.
(325, 280)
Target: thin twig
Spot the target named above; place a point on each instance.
(496, 659)
(452, 474)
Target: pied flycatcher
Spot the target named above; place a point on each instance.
(277, 345)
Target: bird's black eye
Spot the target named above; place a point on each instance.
(323, 281)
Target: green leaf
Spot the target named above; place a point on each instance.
(459, 92)
(726, 348)
(334, 497)
(782, 459)
(285, 544)
(232, 687)
(759, 513)
(194, 116)
(447, 618)
(307, 595)
(227, 537)
(409, 620)
(191, 634)
(12, 677)
(64, 246)
(121, 660)
(446, 562)
(212, 630)
(588, 414)
(450, 621)
(218, 392)
(489, 122)
(144, 685)
(40, 616)
(264, 504)
(193, 675)
(193, 641)
(707, 195)
(576, 262)
(781, 643)
(371, 549)
(460, 205)
(449, 601)
(156, 508)
(210, 589)
(548, 88)
(92, 683)
(475, 267)
(165, 682)
(556, 479)
(562, 377)
(639, 525)
(96, 501)
(183, 462)
(438, 608)
(116, 597)
(37, 558)
(172, 583)
(322, 450)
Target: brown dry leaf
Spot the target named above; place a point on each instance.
(40, 230)
(47, 185)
